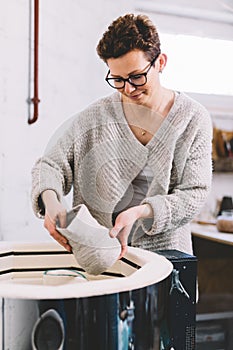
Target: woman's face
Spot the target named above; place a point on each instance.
(129, 66)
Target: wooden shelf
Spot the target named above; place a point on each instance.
(223, 165)
(210, 232)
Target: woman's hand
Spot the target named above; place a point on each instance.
(54, 211)
(124, 223)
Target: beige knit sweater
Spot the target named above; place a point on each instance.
(97, 154)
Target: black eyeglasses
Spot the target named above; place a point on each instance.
(134, 79)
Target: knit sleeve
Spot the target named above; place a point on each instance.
(188, 193)
(53, 171)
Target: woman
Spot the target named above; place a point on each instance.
(140, 159)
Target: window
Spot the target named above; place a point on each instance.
(198, 64)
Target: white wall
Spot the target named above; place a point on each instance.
(71, 75)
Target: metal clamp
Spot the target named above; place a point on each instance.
(176, 284)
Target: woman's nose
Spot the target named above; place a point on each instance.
(129, 88)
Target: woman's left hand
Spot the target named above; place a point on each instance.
(124, 223)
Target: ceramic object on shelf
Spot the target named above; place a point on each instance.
(225, 221)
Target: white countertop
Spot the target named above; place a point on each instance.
(211, 233)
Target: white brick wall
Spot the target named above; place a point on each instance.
(70, 77)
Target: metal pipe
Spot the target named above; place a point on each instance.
(35, 100)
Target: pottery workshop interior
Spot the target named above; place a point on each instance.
(116, 175)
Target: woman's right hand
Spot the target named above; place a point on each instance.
(55, 212)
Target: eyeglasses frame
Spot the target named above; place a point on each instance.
(128, 79)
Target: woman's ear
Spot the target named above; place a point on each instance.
(162, 62)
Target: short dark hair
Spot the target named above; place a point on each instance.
(127, 33)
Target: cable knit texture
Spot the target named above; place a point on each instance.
(97, 154)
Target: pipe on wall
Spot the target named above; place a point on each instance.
(35, 100)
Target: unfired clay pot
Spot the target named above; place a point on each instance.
(93, 248)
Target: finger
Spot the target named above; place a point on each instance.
(114, 231)
(49, 218)
(49, 225)
(67, 247)
(51, 228)
(62, 216)
(124, 249)
(56, 235)
(61, 240)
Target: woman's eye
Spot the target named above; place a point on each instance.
(135, 77)
(118, 80)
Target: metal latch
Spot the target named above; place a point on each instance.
(176, 284)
